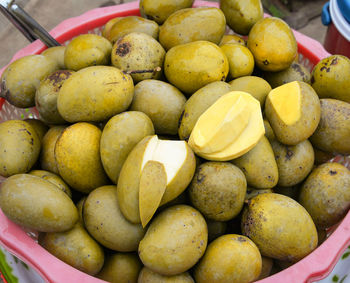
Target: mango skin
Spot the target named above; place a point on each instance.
(196, 105)
(333, 132)
(39, 205)
(77, 155)
(259, 165)
(75, 247)
(121, 133)
(129, 180)
(241, 15)
(294, 163)
(130, 24)
(305, 126)
(39, 126)
(54, 179)
(273, 44)
(160, 10)
(19, 147)
(326, 194)
(116, 232)
(21, 78)
(193, 65)
(160, 251)
(295, 72)
(47, 154)
(161, 102)
(217, 190)
(56, 53)
(207, 23)
(330, 78)
(121, 268)
(148, 276)
(95, 94)
(256, 86)
(46, 96)
(280, 227)
(229, 258)
(87, 50)
(140, 55)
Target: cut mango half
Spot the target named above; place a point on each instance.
(231, 117)
(229, 128)
(286, 101)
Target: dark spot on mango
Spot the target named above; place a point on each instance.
(289, 154)
(332, 172)
(241, 239)
(334, 61)
(123, 49)
(265, 62)
(57, 78)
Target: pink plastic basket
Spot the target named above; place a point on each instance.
(315, 266)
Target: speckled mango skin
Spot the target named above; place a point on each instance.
(140, 54)
(160, 251)
(280, 227)
(120, 268)
(294, 163)
(273, 44)
(259, 165)
(229, 258)
(116, 232)
(305, 126)
(193, 65)
(217, 190)
(326, 194)
(132, 24)
(192, 24)
(160, 10)
(148, 276)
(196, 105)
(54, 179)
(19, 147)
(77, 154)
(21, 78)
(46, 96)
(160, 101)
(295, 72)
(95, 94)
(330, 78)
(87, 50)
(75, 247)
(39, 126)
(333, 132)
(47, 154)
(37, 204)
(119, 136)
(241, 15)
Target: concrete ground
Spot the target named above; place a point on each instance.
(50, 13)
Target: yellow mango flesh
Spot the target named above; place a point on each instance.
(221, 124)
(286, 100)
(235, 136)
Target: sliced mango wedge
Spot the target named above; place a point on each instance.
(229, 128)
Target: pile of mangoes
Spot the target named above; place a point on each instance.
(167, 151)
